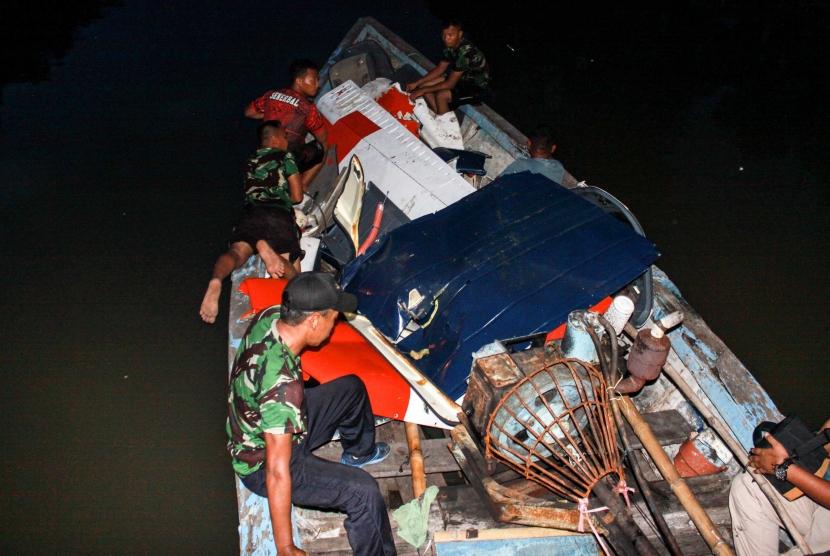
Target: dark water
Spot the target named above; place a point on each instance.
(119, 179)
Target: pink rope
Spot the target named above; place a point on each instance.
(623, 490)
(583, 516)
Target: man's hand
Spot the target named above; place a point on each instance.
(290, 550)
(411, 86)
(252, 112)
(764, 460)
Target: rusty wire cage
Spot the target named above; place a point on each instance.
(555, 427)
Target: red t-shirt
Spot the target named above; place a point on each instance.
(297, 114)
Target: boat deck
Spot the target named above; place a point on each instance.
(457, 517)
(459, 513)
(462, 514)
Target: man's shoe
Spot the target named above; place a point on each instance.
(382, 450)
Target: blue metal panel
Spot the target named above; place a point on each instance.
(513, 258)
(570, 545)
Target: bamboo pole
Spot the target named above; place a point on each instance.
(687, 498)
(416, 459)
(725, 434)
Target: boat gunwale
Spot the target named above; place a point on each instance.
(505, 134)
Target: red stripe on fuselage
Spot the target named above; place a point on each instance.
(348, 131)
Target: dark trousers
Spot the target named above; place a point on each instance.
(340, 405)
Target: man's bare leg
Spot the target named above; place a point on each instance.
(277, 265)
(442, 99)
(227, 262)
(308, 176)
(435, 81)
(430, 98)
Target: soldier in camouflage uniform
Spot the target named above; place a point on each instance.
(294, 107)
(267, 226)
(274, 424)
(461, 77)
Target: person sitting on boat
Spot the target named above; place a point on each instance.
(461, 77)
(293, 106)
(541, 146)
(754, 521)
(274, 423)
(267, 225)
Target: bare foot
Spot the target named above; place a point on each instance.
(274, 264)
(276, 268)
(210, 304)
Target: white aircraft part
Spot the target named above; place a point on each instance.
(310, 245)
(376, 88)
(419, 412)
(414, 178)
(350, 203)
(426, 401)
(438, 131)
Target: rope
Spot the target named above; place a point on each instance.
(613, 395)
(583, 515)
(623, 489)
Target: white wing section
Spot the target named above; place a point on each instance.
(413, 177)
(428, 405)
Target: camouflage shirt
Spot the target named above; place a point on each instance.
(265, 394)
(469, 59)
(266, 178)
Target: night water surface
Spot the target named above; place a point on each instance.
(120, 176)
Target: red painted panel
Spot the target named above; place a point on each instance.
(559, 332)
(346, 352)
(398, 104)
(348, 131)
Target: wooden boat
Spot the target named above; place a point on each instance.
(708, 391)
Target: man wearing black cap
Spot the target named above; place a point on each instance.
(274, 423)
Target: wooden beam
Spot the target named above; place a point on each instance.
(436, 456)
(684, 494)
(416, 459)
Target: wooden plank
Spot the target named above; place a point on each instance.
(524, 544)
(711, 490)
(732, 390)
(669, 426)
(501, 533)
(461, 508)
(340, 545)
(437, 458)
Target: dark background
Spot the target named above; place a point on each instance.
(121, 147)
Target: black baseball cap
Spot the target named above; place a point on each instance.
(317, 291)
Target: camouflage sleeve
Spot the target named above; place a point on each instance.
(289, 165)
(313, 121)
(282, 417)
(462, 61)
(446, 55)
(280, 405)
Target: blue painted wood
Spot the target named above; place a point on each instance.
(255, 533)
(740, 400)
(571, 545)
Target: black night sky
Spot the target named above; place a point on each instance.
(122, 142)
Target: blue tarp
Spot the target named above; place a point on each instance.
(512, 258)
